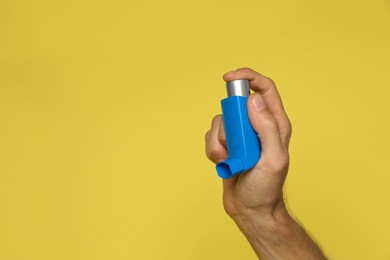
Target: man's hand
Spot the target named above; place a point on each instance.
(254, 200)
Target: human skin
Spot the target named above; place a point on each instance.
(254, 200)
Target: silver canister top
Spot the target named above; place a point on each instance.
(238, 87)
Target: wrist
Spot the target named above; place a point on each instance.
(277, 235)
(264, 224)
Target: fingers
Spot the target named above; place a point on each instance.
(266, 87)
(267, 129)
(221, 133)
(215, 148)
(259, 83)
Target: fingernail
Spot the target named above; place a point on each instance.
(258, 103)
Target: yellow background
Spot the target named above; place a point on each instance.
(104, 106)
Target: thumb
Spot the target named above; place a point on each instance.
(266, 126)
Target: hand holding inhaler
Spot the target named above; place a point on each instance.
(253, 185)
(250, 185)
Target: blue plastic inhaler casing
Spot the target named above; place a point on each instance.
(241, 139)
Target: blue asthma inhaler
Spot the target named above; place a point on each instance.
(241, 140)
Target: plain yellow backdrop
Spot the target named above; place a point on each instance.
(104, 106)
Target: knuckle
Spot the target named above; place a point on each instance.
(270, 81)
(285, 132)
(281, 163)
(289, 125)
(209, 154)
(289, 128)
(208, 145)
(216, 119)
(207, 135)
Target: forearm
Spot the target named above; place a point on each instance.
(278, 236)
